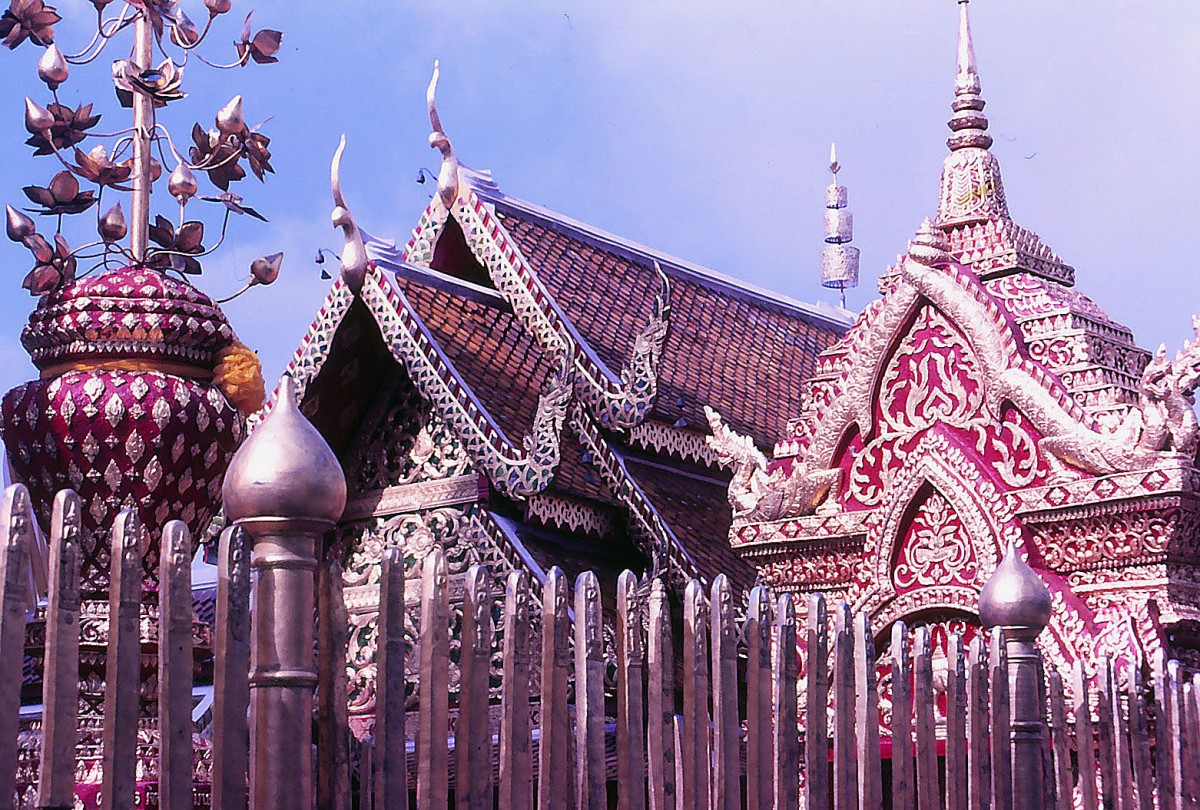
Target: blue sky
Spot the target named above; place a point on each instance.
(699, 128)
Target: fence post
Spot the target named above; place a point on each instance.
(61, 680)
(1017, 601)
(285, 487)
(17, 528)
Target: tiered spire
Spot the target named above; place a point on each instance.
(839, 260)
(972, 190)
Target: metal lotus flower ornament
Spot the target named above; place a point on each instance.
(123, 161)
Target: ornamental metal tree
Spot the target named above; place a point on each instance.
(143, 388)
(124, 160)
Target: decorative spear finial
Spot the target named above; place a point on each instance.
(448, 176)
(839, 261)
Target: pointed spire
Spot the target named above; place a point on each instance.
(968, 121)
(839, 261)
(972, 190)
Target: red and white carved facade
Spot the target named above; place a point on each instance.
(980, 400)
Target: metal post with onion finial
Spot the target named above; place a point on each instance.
(1017, 601)
(286, 489)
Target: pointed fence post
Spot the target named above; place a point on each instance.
(388, 755)
(56, 788)
(956, 724)
(590, 784)
(1060, 742)
(175, 668)
(1105, 742)
(758, 700)
(866, 714)
(660, 703)
(845, 775)
(123, 667)
(979, 762)
(333, 753)
(17, 537)
(1017, 601)
(923, 708)
(695, 759)
(433, 714)
(516, 756)
(631, 657)
(726, 729)
(816, 707)
(1139, 735)
(903, 796)
(1164, 736)
(231, 673)
(555, 762)
(785, 676)
(473, 735)
(1085, 740)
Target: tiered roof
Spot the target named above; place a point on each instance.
(481, 310)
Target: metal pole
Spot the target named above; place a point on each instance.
(1028, 710)
(143, 126)
(286, 489)
(1017, 601)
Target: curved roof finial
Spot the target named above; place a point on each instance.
(354, 253)
(448, 176)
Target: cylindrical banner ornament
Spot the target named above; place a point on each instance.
(839, 266)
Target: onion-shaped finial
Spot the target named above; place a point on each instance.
(112, 225)
(231, 119)
(182, 183)
(37, 118)
(1015, 598)
(52, 67)
(285, 469)
(17, 225)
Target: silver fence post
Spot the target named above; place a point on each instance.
(286, 489)
(1017, 601)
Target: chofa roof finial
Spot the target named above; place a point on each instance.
(839, 260)
(354, 253)
(448, 175)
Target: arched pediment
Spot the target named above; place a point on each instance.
(956, 495)
(1002, 372)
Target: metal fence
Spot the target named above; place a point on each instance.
(758, 712)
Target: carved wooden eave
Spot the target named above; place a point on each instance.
(617, 401)
(657, 541)
(517, 471)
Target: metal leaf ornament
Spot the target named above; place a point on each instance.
(68, 128)
(55, 265)
(262, 47)
(179, 248)
(97, 167)
(61, 196)
(28, 19)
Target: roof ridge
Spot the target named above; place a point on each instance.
(821, 313)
